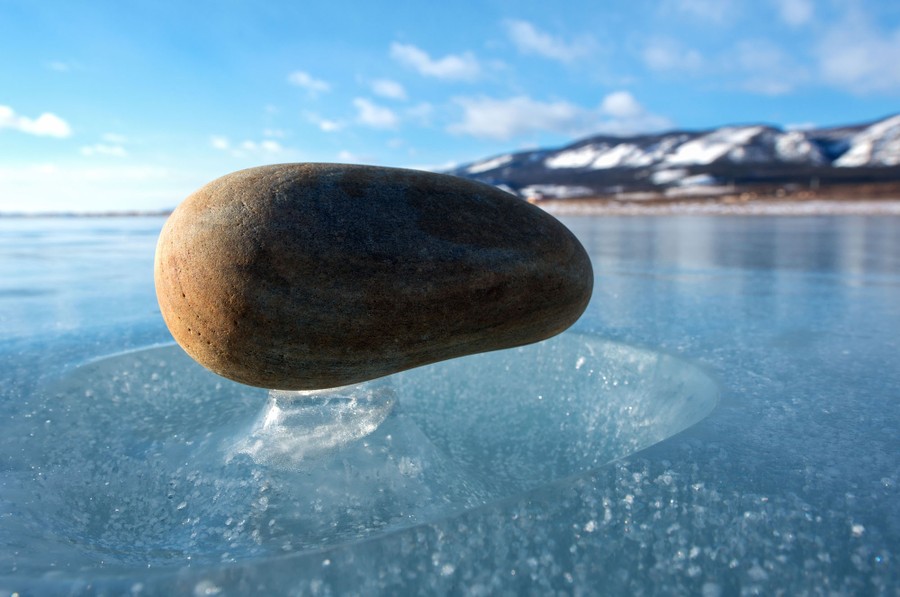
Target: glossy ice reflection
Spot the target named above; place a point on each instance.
(789, 485)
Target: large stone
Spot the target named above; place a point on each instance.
(307, 276)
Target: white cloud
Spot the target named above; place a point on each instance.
(219, 142)
(330, 126)
(266, 146)
(104, 149)
(857, 56)
(620, 114)
(348, 157)
(111, 145)
(664, 54)
(373, 115)
(325, 125)
(45, 125)
(461, 67)
(530, 40)
(621, 104)
(503, 119)
(795, 12)
(247, 147)
(388, 89)
(304, 80)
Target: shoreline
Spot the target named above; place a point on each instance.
(719, 207)
(715, 206)
(88, 214)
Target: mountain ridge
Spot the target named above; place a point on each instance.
(705, 162)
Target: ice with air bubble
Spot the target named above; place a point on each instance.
(145, 458)
(721, 422)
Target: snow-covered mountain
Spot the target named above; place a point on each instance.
(687, 162)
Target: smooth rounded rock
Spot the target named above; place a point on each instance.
(308, 276)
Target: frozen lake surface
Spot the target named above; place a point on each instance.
(723, 420)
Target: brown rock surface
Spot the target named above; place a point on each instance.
(306, 276)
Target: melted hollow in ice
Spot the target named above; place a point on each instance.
(147, 459)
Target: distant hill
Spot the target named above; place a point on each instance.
(754, 159)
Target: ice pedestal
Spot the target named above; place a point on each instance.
(296, 427)
(145, 460)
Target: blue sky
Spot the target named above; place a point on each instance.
(133, 105)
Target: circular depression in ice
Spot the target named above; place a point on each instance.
(144, 460)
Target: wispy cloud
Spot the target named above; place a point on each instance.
(104, 149)
(266, 146)
(795, 12)
(530, 40)
(760, 66)
(670, 55)
(59, 66)
(388, 89)
(717, 12)
(116, 138)
(45, 125)
(421, 113)
(348, 157)
(330, 126)
(219, 142)
(800, 126)
(111, 145)
(247, 147)
(306, 81)
(857, 56)
(460, 67)
(767, 68)
(325, 125)
(504, 119)
(375, 116)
